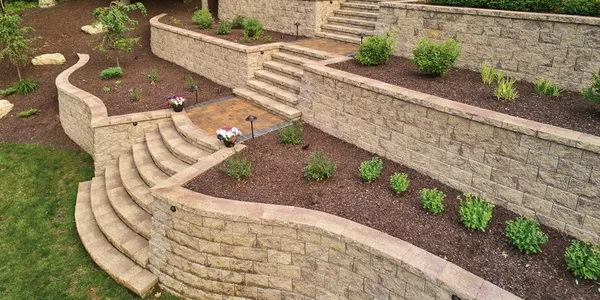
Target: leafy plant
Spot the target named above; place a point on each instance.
(13, 44)
(576, 7)
(399, 182)
(268, 39)
(118, 82)
(291, 135)
(9, 91)
(153, 74)
(112, 72)
(506, 90)
(28, 113)
(319, 167)
(544, 87)
(435, 58)
(106, 89)
(245, 38)
(583, 259)
(135, 94)
(371, 169)
(475, 211)
(224, 28)
(488, 74)
(238, 22)
(117, 24)
(189, 82)
(175, 21)
(23, 87)
(203, 18)
(592, 93)
(238, 167)
(433, 200)
(581, 7)
(526, 235)
(253, 28)
(376, 50)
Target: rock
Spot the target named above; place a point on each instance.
(92, 29)
(5, 108)
(46, 3)
(49, 59)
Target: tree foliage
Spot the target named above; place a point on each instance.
(13, 43)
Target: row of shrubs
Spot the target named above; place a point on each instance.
(571, 7)
(253, 29)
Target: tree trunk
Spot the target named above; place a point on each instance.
(19, 73)
(118, 65)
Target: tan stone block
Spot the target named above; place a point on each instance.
(581, 234)
(218, 262)
(267, 241)
(284, 231)
(279, 257)
(284, 284)
(257, 280)
(323, 294)
(233, 277)
(308, 236)
(504, 178)
(246, 240)
(303, 261)
(510, 195)
(317, 251)
(364, 269)
(554, 179)
(355, 293)
(497, 161)
(574, 170)
(378, 291)
(223, 288)
(515, 152)
(304, 288)
(241, 265)
(566, 152)
(213, 223)
(333, 243)
(237, 227)
(542, 160)
(561, 197)
(568, 216)
(533, 188)
(255, 254)
(265, 268)
(260, 229)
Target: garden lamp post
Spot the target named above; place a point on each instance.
(219, 90)
(196, 88)
(362, 35)
(251, 119)
(297, 29)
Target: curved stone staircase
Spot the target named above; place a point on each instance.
(353, 18)
(113, 212)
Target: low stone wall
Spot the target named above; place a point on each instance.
(210, 248)
(280, 16)
(524, 45)
(85, 120)
(224, 62)
(531, 168)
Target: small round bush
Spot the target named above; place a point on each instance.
(224, 28)
(475, 211)
(581, 7)
(253, 28)
(369, 170)
(291, 135)
(526, 235)
(113, 72)
(376, 50)
(583, 259)
(399, 182)
(435, 58)
(238, 167)
(238, 22)
(203, 18)
(433, 200)
(319, 167)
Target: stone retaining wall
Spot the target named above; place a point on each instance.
(280, 16)
(531, 168)
(224, 62)
(85, 120)
(211, 248)
(524, 45)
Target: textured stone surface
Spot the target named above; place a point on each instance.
(92, 29)
(5, 108)
(46, 3)
(49, 59)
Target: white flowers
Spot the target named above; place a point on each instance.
(228, 134)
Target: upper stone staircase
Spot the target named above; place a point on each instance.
(353, 18)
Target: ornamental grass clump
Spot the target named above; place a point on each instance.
(433, 200)
(376, 50)
(203, 18)
(253, 29)
(545, 87)
(153, 75)
(583, 259)
(488, 74)
(371, 169)
(292, 134)
(592, 93)
(28, 113)
(22, 87)
(238, 166)
(399, 182)
(475, 211)
(238, 22)
(435, 58)
(506, 89)
(526, 235)
(319, 168)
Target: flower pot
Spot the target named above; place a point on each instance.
(228, 144)
(178, 108)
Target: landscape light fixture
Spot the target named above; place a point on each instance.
(330, 1)
(297, 29)
(362, 35)
(196, 88)
(219, 90)
(251, 119)
(173, 209)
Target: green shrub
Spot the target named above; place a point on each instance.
(399, 182)
(581, 7)
(371, 169)
(488, 74)
(25, 86)
(28, 113)
(253, 28)
(544, 87)
(583, 259)
(268, 39)
(506, 90)
(475, 211)
(593, 92)
(189, 82)
(435, 58)
(245, 38)
(575, 7)
(203, 18)
(433, 200)
(175, 21)
(135, 94)
(526, 235)
(319, 167)
(291, 135)
(153, 74)
(113, 72)
(238, 167)
(224, 28)
(238, 22)
(376, 50)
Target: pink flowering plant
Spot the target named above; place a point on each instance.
(175, 100)
(228, 134)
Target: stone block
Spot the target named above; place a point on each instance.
(568, 216)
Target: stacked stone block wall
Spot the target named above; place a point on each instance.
(531, 168)
(524, 45)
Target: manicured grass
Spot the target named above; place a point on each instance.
(41, 256)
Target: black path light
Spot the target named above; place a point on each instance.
(297, 29)
(251, 119)
(219, 90)
(196, 88)
(362, 35)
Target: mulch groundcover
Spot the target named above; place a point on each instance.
(570, 110)
(277, 178)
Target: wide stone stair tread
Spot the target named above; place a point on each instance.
(134, 184)
(194, 135)
(305, 52)
(273, 91)
(118, 266)
(288, 58)
(285, 111)
(367, 7)
(349, 22)
(178, 146)
(347, 30)
(161, 155)
(279, 80)
(132, 214)
(338, 37)
(369, 16)
(116, 231)
(146, 167)
(284, 69)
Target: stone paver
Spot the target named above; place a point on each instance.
(327, 45)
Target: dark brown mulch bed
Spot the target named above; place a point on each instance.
(235, 35)
(570, 110)
(277, 178)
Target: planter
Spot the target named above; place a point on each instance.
(228, 144)
(178, 108)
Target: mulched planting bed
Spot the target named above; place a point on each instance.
(571, 110)
(277, 178)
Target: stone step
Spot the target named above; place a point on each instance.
(146, 167)
(337, 37)
(285, 111)
(279, 94)
(134, 184)
(118, 266)
(284, 69)
(372, 2)
(361, 7)
(291, 59)
(304, 52)
(132, 214)
(178, 146)
(194, 135)
(367, 16)
(349, 31)
(116, 231)
(352, 23)
(161, 155)
(276, 79)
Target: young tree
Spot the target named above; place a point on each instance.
(116, 24)
(13, 43)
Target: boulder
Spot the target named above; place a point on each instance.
(46, 3)
(5, 108)
(92, 29)
(49, 59)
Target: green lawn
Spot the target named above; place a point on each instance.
(41, 256)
